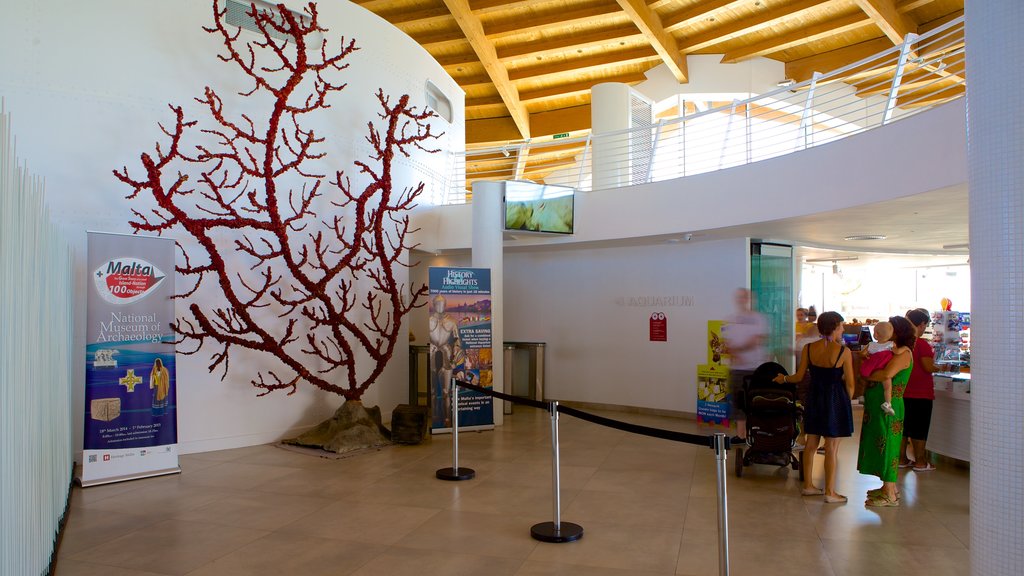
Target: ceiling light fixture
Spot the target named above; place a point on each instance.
(785, 83)
(865, 237)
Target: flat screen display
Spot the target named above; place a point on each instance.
(540, 208)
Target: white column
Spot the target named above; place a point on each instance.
(995, 159)
(609, 121)
(487, 253)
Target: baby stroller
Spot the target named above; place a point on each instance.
(773, 417)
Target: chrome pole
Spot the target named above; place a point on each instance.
(555, 476)
(455, 424)
(455, 473)
(556, 531)
(721, 455)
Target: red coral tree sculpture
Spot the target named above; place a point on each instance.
(245, 192)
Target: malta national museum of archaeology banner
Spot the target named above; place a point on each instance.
(130, 409)
(460, 346)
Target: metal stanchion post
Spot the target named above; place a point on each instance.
(721, 453)
(455, 473)
(556, 531)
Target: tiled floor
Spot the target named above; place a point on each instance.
(648, 507)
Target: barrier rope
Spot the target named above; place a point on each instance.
(696, 439)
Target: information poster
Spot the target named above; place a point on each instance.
(460, 346)
(130, 408)
(714, 399)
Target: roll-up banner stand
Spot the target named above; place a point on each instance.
(130, 408)
(460, 346)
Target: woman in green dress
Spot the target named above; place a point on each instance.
(881, 433)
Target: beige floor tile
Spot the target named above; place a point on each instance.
(626, 509)
(762, 555)
(534, 568)
(170, 547)
(87, 528)
(615, 546)
(76, 568)
(893, 559)
(503, 499)
(361, 522)
(260, 511)
(396, 561)
(483, 534)
(298, 555)
(160, 500)
(236, 475)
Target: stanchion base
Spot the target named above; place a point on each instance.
(566, 532)
(455, 474)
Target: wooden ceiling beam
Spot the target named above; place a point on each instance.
(703, 11)
(406, 16)
(581, 65)
(648, 22)
(433, 39)
(484, 48)
(579, 87)
(483, 101)
(890, 21)
(486, 6)
(515, 24)
(560, 121)
(460, 59)
(763, 20)
(566, 43)
(804, 68)
(502, 129)
(803, 36)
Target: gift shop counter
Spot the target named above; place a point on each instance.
(950, 432)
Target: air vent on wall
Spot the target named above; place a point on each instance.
(238, 14)
(438, 102)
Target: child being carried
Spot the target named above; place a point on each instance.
(879, 353)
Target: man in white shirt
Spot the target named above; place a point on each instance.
(746, 336)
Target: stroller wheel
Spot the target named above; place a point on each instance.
(800, 466)
(739, 462)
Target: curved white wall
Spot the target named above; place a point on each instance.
(90, 80)
(922, 153)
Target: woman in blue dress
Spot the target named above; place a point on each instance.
(828, 413)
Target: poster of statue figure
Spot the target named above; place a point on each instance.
(460, 346)
(130, 401)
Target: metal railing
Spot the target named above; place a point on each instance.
(924, 71)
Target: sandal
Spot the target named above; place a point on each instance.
(811, 492)
(837, 499)
(907, 464)
(926, 468)
(879, 493)
(882, 502)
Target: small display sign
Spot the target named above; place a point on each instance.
(659, 327)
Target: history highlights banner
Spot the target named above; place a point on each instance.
(460, 346)
(130, 409)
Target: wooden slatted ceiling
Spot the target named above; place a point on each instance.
(523, 61)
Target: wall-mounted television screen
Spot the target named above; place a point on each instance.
(536, 207)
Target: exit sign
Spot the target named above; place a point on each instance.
(562, 135)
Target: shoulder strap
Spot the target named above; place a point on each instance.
(842, 349)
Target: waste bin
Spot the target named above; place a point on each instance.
(524, 371)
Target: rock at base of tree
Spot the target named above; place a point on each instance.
(353, 427)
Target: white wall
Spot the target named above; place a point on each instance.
(591, 306)
(89, 81)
